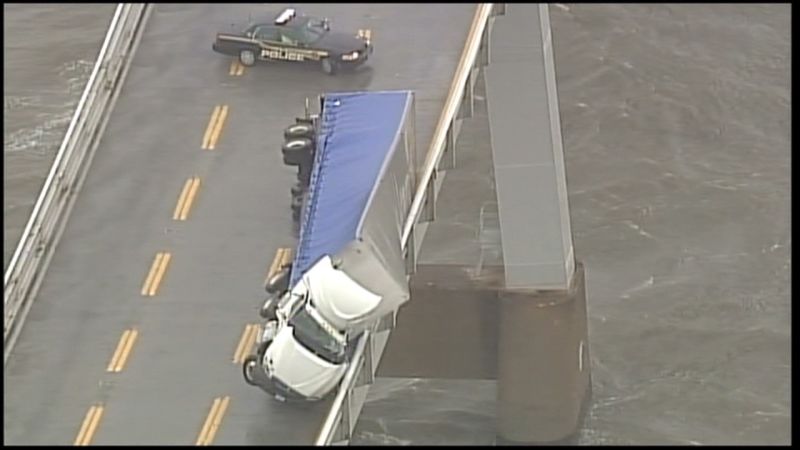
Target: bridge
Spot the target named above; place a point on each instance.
(137, 329)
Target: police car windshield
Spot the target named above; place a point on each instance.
(313, 30)
(313, 336)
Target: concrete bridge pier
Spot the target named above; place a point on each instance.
(543, 375)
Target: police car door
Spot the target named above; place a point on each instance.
(289, 41)
(269, 40)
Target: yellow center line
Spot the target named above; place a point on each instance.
(237, 69)
(246, 342)
(151, 274)
(212, 143)
(89, 425)
(123, 350)
(156, 273)
(183, 210)
(213, 421)
(282, 257)
(210, 127)
(159, 274)
(181, 199)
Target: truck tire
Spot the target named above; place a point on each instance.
(297, 190)
(279, 283)
(269, 309)
(297, 202)
(297, 151)
(299, 130)
(329, 66)
(247, 57)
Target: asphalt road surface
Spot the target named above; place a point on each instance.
(179, 355)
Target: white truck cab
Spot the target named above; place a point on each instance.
(304, 351)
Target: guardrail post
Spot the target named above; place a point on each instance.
(448, 160)
(366, 376)
(411, 253)
(429, 209)
(467, 100)
(482, 59)
(344, 421)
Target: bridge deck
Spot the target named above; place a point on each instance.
(211, 288)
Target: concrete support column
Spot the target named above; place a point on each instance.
(543, 364)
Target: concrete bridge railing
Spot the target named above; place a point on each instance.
(51, 210)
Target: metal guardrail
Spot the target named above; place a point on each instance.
(46, 223)
(341, 419)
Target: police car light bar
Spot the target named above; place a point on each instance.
(285, 16)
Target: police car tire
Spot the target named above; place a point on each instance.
(329, 66)
(296, 151)
(248, 378)
(247, 57)
(299, 130)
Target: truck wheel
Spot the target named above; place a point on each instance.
(297, 202)
(297, 190)
(248, 366)
(297, 151)
(247, 57)
(268, 311)
(299, 130)
(278, 283)
(329, 66)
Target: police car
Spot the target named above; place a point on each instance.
(296, 38)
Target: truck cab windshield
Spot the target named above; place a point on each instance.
(313, 336)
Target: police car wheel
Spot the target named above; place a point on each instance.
(329, 66)
(247, 368)
(247, 57)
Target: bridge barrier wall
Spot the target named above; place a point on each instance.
(342, 417)
(52, 208)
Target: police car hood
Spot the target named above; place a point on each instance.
(339, 42)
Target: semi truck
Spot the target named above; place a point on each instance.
(356, 175)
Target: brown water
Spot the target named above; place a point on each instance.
(49, 52)
(676, 120)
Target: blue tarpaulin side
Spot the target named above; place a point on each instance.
(356, 136)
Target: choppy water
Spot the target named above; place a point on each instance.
(676, 120)
(49, 52)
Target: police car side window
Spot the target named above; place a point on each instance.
(288, 37)
(266, 33)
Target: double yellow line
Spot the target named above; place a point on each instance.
(282, 257)
(124, 347)
(237, 69)
(249, 336)
(186, 199)
(156, 274)
(89, 425)
(213, 421)
(214, 127)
